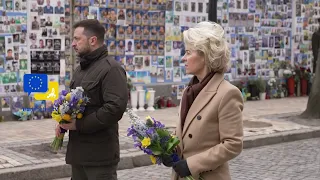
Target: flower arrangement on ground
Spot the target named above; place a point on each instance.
(23, 114)
(153, 138)
(69, 106)
(288, 73)
(306, 73)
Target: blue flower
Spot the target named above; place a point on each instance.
(64, 92)
(81, 109)
(158, 124)
(138, 144)
(59, 101)
(150, 131)
(74, 99)
(72, 105)
(175, 157)
(147, 151)
(159, 161)
(164, 140)
(131, 131)
(86, 99)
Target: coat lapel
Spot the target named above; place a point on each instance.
(206, 94)
(178, 128)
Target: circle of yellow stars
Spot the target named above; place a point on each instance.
(36, 78)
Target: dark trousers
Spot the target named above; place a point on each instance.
(94, 172)
(314, 65)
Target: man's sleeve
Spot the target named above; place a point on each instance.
(315, 44)
(115, 98)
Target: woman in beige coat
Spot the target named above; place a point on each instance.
(210, 124)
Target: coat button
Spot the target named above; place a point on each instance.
(190, 135)
(199, 117)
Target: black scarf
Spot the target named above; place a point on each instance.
(93, 56)
(191, 93)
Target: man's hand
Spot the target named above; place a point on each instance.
(58, 130)
(70, 126)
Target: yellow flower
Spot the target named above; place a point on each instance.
(149, 121)
(149, 118)
(68, 97)
(57, 118)
(54, 113)
(146, 142)
(153, 159)
(79, 115)
(80, 101)
(66, 117)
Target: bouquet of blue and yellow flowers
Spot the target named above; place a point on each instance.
(153, 138)
(69, 106)
(23, 114)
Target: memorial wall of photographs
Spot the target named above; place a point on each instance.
(13, 49)
(307, 13)
(145, 35)
(314, 15)
(49, 24)
(13, 44)
(259, 33)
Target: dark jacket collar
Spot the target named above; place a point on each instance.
(93, 56)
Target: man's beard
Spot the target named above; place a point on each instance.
(84, 51)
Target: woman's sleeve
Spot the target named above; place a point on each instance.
(231, 136)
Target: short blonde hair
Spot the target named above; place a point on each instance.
(208, 39)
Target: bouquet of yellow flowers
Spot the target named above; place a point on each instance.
(69, 106)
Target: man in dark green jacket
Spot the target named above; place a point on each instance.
(315, 47)
(93, 148)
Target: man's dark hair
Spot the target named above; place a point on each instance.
(9, 50)
(92, 27)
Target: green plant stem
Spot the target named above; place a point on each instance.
(191, 178)
(57, 143)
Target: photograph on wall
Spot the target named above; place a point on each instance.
(5, 103)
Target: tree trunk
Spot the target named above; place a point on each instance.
(313, 111)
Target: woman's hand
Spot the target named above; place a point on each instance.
(167, 160)
(181, 168)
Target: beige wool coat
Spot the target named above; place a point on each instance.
(213, 131)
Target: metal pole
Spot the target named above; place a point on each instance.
(212, 15)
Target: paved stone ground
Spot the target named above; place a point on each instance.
(16, 131)
(16, 134)
(299, 160)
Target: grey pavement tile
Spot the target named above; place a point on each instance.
(25, 162)
(299, 160)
